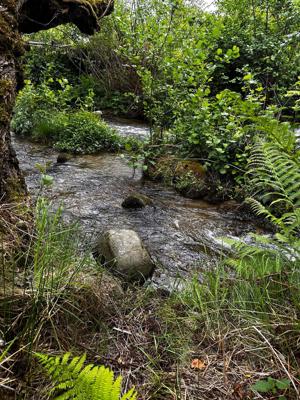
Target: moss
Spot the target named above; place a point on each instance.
(15, 190)
(192, 167)
(4, 115)
(10, 39)
(11, 47)
(161, 168)
(6, 85)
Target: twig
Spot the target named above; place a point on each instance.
(278, 358)
(122, 330)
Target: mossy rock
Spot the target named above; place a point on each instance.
(191, 167)
(161, 168)
(190, 179)
(62, 158)
(137, 200)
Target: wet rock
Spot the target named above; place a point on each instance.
(137, 200)
(122, 251)
(62, 158)
(99, 113)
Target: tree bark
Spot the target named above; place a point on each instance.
(31, 16)
(12, 183)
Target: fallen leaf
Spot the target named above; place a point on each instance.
(197, 364)
(239, 391)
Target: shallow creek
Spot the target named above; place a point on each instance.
(183, 236)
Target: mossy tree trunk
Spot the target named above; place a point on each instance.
(31, 16)
(12, 183)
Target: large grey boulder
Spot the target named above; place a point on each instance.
(122, 251)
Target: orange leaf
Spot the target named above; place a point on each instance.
(197, 364)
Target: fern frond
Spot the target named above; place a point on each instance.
(131, 395)
(79, 382)
(276, 173)
(116, 389)
(260, 210)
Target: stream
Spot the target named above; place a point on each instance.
(183, 236)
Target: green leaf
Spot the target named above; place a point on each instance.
(47, 180)
(262, 386)
(247, 77)
(283, 384)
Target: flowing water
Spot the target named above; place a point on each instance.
(183, 236)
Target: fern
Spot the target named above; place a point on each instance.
(73, 380)
(275, 179)
(275, 173)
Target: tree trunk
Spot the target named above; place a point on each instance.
(12, 183)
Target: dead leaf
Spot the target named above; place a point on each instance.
(197, 364)
(121, 361)
(239, 391)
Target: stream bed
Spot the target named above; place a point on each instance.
(183, 236)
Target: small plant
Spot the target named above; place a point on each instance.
(271, 385)
(76, 381)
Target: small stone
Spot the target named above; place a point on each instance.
(63, 158)
(99, 113)
(137, 200)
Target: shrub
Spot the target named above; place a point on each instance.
(35, 102)
(83, 132)
(51, 113)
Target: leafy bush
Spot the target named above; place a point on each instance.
(51, 113)
(51, 56)
(85, 132)
(36, 102)
(267, 35)
(219, 132)
(80, 132)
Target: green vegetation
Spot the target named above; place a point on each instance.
(241, 322)
(83, 382)
(204, 81)
(51, 113)
(221, 94)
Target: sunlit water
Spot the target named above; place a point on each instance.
(182, 236)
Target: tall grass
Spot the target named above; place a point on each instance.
(256, 292)
(39, 280)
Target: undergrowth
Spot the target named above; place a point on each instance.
(51, 113)
(232, 334)
(76, 381)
